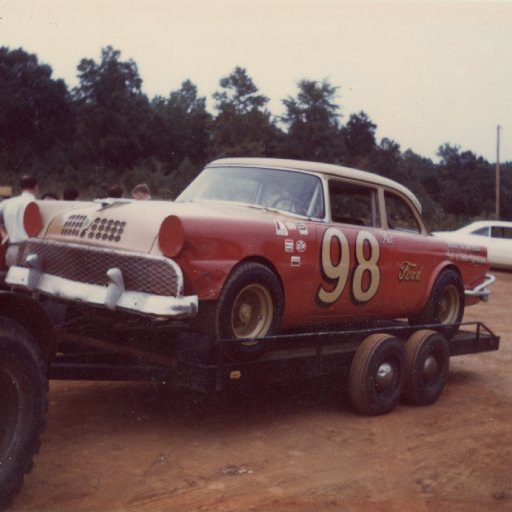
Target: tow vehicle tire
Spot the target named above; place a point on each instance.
(445, 305)
(250, 306)
(427, 364)
(377, 374)
(24, 399)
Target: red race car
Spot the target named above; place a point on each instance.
(254, 247)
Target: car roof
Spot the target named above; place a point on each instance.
(321, 168)
(486, 223)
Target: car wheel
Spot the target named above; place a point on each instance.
(445, 305)
(24, 396)
(250, 306)
(377, 374)
(427, 363)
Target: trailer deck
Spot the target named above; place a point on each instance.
(200, 364)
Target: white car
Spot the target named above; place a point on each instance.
(496, 235)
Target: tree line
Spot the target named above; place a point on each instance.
(106, 130)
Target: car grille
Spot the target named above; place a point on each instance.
(141, 273)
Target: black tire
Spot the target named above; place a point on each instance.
(427, 364)
(377, 374)
(250, 306)
(24, 398)
(445, 305)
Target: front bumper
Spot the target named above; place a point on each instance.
(112, 292)
(481, 292)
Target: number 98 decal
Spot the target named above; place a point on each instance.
(335, 267)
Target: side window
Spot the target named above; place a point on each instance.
(507, 233)
(400, 215)
(353, 204)
(496, 232)
(481, 231)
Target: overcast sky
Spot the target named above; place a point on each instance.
(425, 72)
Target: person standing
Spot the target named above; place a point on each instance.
(11, 217)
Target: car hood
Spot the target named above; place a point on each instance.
(134, 225)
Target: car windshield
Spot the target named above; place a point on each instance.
(294, 192)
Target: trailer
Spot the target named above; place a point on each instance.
(380, 363)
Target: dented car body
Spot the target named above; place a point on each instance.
(254, 247)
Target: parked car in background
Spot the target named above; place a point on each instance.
(494, 235)
(254, 247)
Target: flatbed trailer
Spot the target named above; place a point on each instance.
(380, 362)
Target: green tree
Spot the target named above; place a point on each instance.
(467, 183)
(359, 136)
(36, 121)
(312, 119)
(181, 127)
(113, 114)
(242, 126)
(387, 160)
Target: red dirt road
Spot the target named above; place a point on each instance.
(132, 447)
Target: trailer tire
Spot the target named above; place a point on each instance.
(445, 305)
(377, 374)
(24, 396)
(250, 306)
(427, 364)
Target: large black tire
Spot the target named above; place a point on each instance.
(428, 360)
(377, 374)
(24, 402)
(250, 306)
(445, 305)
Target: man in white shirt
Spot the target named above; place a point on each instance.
(11, 217)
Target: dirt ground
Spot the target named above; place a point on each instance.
(131, 446)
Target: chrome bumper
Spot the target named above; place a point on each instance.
(114, 296)
(481, 292)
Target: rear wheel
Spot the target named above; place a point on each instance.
(377, 374)
(250, 306)
(445, 305)
(24, 398)
(428, 359)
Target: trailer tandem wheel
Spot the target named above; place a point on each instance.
(428, 359)
(377, 374)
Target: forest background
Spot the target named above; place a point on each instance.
(106, 131)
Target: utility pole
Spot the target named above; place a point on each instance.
(498, 173)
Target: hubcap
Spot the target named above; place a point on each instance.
(245, 313)
(385, 376)
(430, 369)
(252, 312)
(449, 305)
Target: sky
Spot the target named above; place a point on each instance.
(426, 73)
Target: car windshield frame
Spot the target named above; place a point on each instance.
(295, 192)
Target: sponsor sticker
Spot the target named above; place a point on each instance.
(303, 229)
(295, 261)
(280, 228)
(288, 245)
(300, 245)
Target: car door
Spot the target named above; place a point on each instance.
(500, 246)
(353, 280)
(415, 255)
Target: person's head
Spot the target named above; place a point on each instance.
(141, 192)
(29, 183)
(115, 191)
(70, 194)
